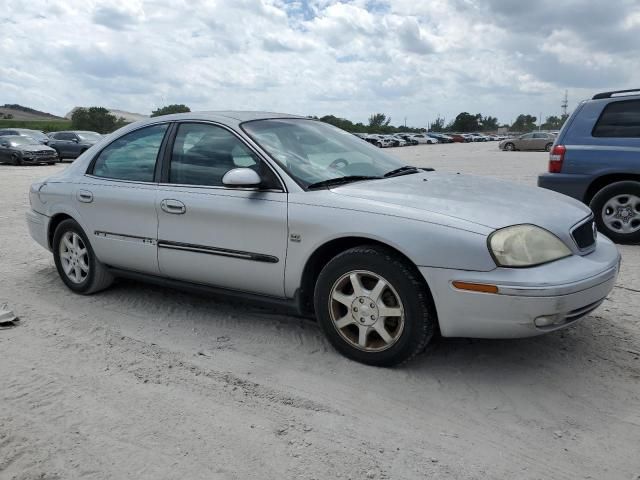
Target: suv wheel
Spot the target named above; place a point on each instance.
(617, 211)
(373, 306)
(76, 262)
(510, 147)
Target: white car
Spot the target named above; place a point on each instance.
(296, 212)
(379, 141)
(423, 139)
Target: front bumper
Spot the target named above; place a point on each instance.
(38, 227)
(561, 291)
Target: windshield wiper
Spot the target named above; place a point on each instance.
(406, 170)
(340, 180)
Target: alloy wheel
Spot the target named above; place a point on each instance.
(366, 311)
(74, 257)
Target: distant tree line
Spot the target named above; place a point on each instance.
(378, 123)
(96, 119)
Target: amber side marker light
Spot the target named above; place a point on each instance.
(476, 287)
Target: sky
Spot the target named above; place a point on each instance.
(413, 59)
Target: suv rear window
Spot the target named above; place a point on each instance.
(619, 119)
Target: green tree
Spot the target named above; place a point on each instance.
(96, 119)
(437, 125)
(378, 120)
(524, 123)
(169, 109)
(554, 123)
(465, 122)
(489, 123)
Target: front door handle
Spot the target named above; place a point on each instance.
(173, 206)
(84, 196)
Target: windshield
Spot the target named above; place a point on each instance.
(312, 151)
(35, 134)
(15, 141)
(89, 136)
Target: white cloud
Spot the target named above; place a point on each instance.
(349, 58)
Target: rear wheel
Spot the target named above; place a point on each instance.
(373, 306)
(59, 155)
(547, 147)
(617, 211)
(76, 262)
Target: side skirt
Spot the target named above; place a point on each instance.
(291, 306)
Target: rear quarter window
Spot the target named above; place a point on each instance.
(619, 120)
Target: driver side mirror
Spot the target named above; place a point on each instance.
(241, 178)
(75, 140)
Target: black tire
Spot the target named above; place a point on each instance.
(51, 163)
(378, 144)
(59, 155)
(16, 160)
(547, 147)
(420, 320)
(98, 277)
(509, 147)
(630, 188)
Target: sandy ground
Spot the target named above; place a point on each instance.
(143, 382)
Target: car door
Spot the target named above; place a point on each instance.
(117, 200)
(211, 234)
(524, 142)
(4, 150)
(539, 141)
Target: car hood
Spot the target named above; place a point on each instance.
(33, 148)
(480, 200)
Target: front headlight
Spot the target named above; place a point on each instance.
(525, 246)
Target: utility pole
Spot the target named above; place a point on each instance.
(565, 103)
(540, 122)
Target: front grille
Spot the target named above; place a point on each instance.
(585, 234)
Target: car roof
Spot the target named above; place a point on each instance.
(16, 137)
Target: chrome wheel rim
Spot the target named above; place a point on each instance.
(366, 311)
(74, 257)
(621, 214)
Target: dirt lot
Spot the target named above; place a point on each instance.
(143, 382)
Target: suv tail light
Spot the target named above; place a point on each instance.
(556, 157)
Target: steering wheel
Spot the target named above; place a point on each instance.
(338, 164)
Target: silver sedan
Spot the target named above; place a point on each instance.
(293, 211)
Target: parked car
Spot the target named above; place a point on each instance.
(379, 141)
(18, 149)
(596, 159)
(26, 132)
(72, 144)
(528, 141)
(456, 137)
(440, 137)
(423, 139)
(268, 206)
(398, 141)
(408, 138)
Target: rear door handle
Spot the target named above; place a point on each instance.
(173, 206)
(84, 196)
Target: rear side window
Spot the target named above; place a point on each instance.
(619, 119)
(133, 156)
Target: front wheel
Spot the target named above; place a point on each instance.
(16, 160)
(76, 262)
(509, 147)
(617, 211)
(374, 307)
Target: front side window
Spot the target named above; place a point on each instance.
(619, 119)
(313, 151)
(203, 153)
(133, 156)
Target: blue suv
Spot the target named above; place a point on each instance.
(596, 159)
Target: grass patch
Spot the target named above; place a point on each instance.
(44, 125)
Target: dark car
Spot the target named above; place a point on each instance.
(596, 159)
(72, 144)
(457, 138)
(17, 150)
(25, 132)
